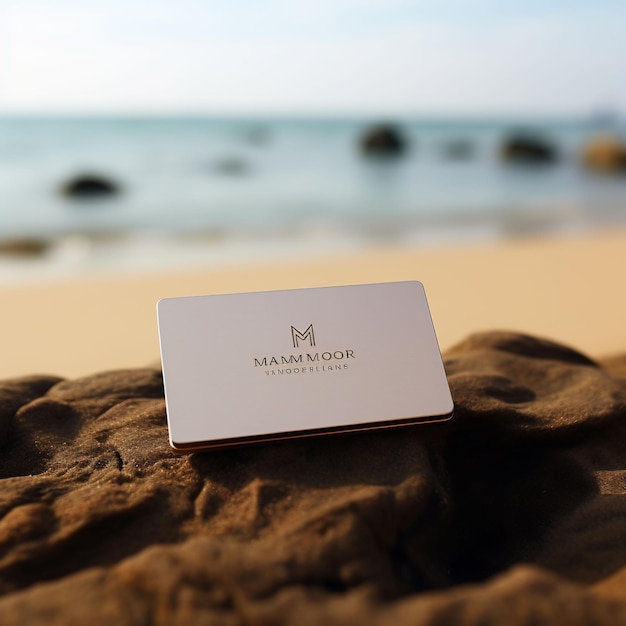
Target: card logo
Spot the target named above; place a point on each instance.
(297, 336)
(303, 361)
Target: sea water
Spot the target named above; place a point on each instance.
(296, 183)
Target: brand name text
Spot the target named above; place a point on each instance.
(315, 357)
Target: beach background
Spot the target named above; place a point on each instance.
(230, 146)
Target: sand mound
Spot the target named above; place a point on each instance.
(512, 513)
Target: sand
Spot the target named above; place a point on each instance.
(513, 512)
(510, 513)
(567, 288)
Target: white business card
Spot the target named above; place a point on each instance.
(250, 367)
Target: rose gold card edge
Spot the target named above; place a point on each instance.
(198, 446)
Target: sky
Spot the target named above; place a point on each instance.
(335, 57)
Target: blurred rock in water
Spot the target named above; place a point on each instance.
(257, 136)
(383, 140)
(233, 166)
(457, 149)
(605, 118)
(87, 186)
(25, 247)
(605, 153)
(528, 148)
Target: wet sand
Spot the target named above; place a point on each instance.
(510, 513)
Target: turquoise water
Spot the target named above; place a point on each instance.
(276, 176)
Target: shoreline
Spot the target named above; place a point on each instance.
(564, 288)
(89, 255)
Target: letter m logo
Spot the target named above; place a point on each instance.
(297, 336)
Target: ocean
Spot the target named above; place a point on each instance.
(206, 190)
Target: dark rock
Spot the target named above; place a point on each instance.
(529, 149)
(258, 136)
(458, 149)
(232, 166)
(606, 153)
(383, 140)
(27, 247)
(89, 186)
(605, 119)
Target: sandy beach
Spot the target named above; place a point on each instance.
(566, 288)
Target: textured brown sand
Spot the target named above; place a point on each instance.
(512, 513)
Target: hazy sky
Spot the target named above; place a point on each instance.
(313, 56)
